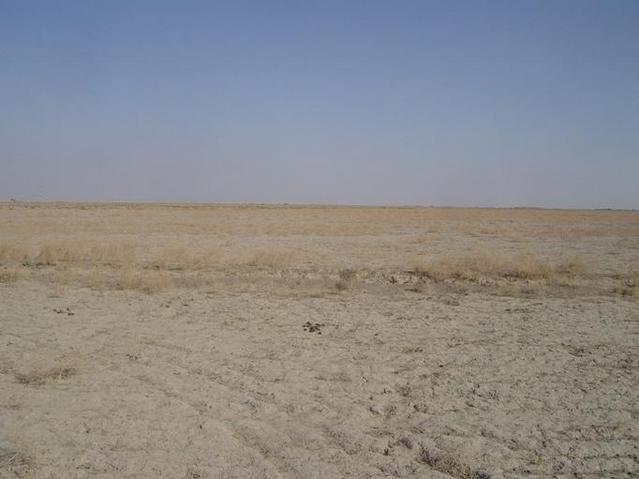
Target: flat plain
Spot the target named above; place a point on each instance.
(257, 341)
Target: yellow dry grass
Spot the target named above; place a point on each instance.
(471, 267)
(269, 258)
(346, 278)
(13, 252)
(40, 377)
(151, 247)
(114, 279)
(179, 257)
(11, 274)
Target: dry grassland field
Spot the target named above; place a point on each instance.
(250, 341)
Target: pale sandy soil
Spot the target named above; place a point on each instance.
(232, 342)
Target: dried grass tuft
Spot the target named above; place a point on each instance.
(346, 277)
(178, 258)
(450, 465)
(146, 281)
(270, 258)
(13, 274)
(480, 264)
(10, 252)
(117, 254)
(52, 253)
(40, 377)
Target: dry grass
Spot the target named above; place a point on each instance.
(628, 292)
(146, 281)
(269, 258)
(484, 264)
(13, 274)
(12, 459)
(11, 252)
(346, 277)
(450, 465)
(259, 220)
(114, 279)
(177, 257)
(39, 377)
(52, 253)
(629, 286)
(116, 246)
(118, 254)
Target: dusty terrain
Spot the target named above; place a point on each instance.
(194, 341)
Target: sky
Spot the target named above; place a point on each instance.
(458, 103)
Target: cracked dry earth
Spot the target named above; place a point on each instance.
(233, 385)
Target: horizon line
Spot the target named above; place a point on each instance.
(289, 204)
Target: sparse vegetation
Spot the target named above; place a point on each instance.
(270, 258)
(52, 253)
(450, 465)
(13, 252)
(474, 267)
(40, 377)
(346, 277)
(156, 247)
(12, 274)
(178, 257)
(107, 278)
(629, 286)
(138, 280)
(116, 254)
(13, 459)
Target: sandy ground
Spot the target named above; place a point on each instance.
(274, 372)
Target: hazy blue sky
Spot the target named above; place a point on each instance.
(398, 102)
